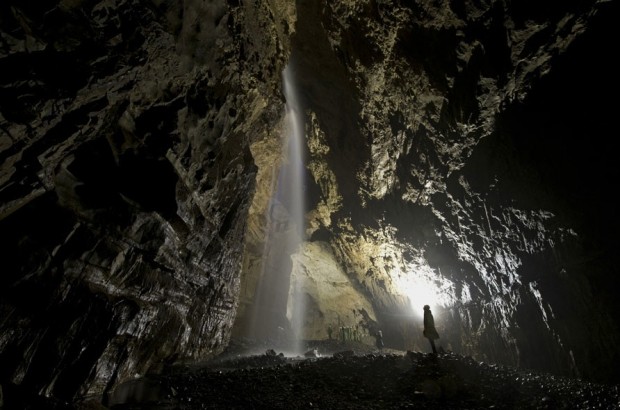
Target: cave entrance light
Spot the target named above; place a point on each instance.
(421, 285)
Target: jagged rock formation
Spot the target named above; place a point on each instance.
(443, 164)
(457, 148)
(126, 179)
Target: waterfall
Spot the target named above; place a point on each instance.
(294, 186)
(295, 191)
(278, 310)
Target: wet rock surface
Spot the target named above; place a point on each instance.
(367, 379)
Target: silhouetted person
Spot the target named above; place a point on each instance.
(429, 327)
(329, 332)
(379, 337)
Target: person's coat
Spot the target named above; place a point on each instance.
(429, 325)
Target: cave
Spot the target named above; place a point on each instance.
(178, 177)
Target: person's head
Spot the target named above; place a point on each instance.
(427, 307)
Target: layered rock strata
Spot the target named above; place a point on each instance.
(126, 179)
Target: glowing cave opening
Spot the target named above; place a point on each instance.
(421, 285)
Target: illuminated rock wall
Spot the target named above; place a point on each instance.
(459, 160)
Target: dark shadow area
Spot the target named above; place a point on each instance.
(555, 152)
(350, 379)
(563, 130)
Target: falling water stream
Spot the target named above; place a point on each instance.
(277, 311)
(295, 191)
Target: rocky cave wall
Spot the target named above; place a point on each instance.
(125, 132)
(458, 153)
(455, 147)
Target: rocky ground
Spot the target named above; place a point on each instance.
(335, 375)
(356, 376)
